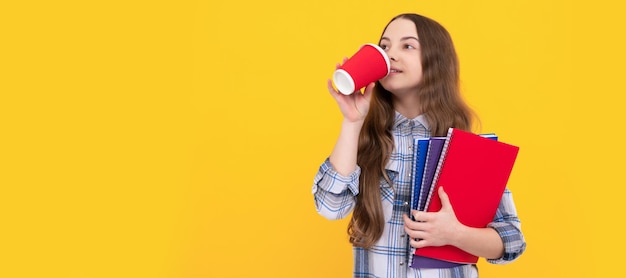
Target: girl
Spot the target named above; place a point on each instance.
(368, 172)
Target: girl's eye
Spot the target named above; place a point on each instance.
(383, 46)
(408, 46)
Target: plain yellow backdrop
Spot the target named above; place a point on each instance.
(180, 138)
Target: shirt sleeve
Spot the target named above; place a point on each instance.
(334, 193)
(508, 226)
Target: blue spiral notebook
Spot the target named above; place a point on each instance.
(420, 148)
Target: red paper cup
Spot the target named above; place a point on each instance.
(367, 65)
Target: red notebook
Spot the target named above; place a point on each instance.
(473, 171)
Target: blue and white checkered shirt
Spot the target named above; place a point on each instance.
(389, 257)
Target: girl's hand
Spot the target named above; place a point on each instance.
(354, 107)
(434, 228)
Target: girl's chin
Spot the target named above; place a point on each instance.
(399, 90)
(391, 87)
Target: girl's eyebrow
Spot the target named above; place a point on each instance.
(402, 39)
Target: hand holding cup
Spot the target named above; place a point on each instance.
(354, 107)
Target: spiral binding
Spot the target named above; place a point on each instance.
(442, 159)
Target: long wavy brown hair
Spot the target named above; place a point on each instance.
(440, 102)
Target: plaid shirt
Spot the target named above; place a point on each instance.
(389, 257)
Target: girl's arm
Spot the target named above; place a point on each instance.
(343, 157)
(354, 108)
(337, 181)
(508, 226)
(482, 242)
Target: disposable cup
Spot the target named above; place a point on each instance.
(369, 64)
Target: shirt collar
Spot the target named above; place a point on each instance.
(400, 119)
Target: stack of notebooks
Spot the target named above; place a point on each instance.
(473, 170)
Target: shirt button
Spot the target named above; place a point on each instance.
(402, 235)
(401, 263)
(406, 203)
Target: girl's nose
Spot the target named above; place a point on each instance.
(391, 53)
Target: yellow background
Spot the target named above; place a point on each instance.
(180, 138)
